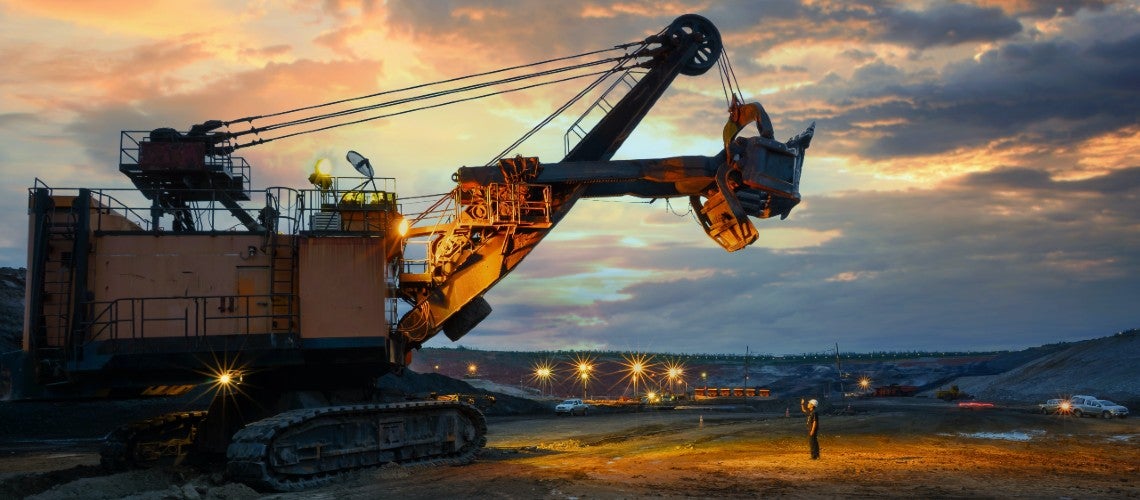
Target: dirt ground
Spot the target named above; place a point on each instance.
(887, 448)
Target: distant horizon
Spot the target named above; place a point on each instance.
(842, 353)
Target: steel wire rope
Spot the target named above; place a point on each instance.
(250, 119)
(388, 115)
(728, 81)
(723, 83)
(577, 97)
(405, 100)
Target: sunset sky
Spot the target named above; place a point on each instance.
(974, 182)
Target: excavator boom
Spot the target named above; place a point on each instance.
(756, 177)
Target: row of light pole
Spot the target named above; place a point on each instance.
(637, 367)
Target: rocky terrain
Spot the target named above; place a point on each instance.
(1107, 367)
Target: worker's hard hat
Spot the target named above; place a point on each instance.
(813, 403)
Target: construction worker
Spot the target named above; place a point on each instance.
(812, 425)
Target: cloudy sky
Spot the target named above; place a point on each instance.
(974, 182)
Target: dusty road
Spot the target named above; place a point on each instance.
(888, 448)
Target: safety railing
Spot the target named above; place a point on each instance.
(174, 317)
(350, 205)
(138, 151)
(578, 130)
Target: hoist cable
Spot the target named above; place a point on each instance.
(577, 97)
(433, 95)
(423, 85)
(453, 101)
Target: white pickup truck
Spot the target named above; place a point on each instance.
(1087, 405)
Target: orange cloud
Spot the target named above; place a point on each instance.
(149, 19)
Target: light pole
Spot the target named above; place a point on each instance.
(583, 365)
(638, 366)
(674, 374)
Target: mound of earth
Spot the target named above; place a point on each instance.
(414, 385)
(1107, 367)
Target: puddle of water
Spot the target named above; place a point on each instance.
(1004, 436)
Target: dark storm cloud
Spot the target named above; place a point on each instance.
(1052, 91)
(1050, 8)
(946, 24)
(1005, 259)
(503, 28)
(943, 24)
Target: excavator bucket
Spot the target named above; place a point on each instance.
(760, 178)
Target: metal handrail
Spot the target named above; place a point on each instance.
(114, 316)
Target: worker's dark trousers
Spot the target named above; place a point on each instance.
(814, 446)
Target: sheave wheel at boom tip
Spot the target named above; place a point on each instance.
(710, 45)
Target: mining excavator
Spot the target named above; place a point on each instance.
(291, 302)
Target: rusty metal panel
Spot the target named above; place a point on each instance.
(172, 156)
(342, 287)
(178, 285)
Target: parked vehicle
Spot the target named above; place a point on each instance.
(1110, 409)
(572, 407)
(1055, 406)
(1093, 407)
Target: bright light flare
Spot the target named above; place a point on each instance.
(224, 376)
(543, 375)
(675, 373)
(323, 167)
(865, 383)
(227, 380)
(636, 366)
(583, 365)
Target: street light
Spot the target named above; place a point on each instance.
(638, 366)
(543, 372)
(585, 381)
(865, 383)
(584, 365)
(674, 371)
(472, 369)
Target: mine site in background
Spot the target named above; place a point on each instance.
(1107, 367)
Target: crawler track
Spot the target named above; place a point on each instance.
(307, 448)
(148, 442)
